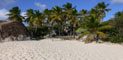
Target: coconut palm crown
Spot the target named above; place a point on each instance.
(14, 14)
(91, 25)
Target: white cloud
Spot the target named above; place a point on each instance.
(5, 3)
(117, 1)
(23, 13)
(42, 6)
(3, 13)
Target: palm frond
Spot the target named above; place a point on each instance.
(83, 34)
(101, 34)
(89, 38)
(81, 30)
(104, 27)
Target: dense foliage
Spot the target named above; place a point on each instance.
(14, 14)
(91, 24)
(118, 28)
(67, 21)
(39, 32)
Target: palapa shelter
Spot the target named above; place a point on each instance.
(13, 31)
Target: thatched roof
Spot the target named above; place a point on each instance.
(13, 31)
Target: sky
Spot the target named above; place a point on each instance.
(6, 5)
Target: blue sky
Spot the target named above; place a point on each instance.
(5, 5)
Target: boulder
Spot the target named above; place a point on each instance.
(13, 31)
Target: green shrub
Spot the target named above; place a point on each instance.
(117, 39)
(39, 31)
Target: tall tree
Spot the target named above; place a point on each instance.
(118, 22)
(73, 20)
(57, 14)
(102, 9)
(38, 18)
(14, 14)
(34, 17)
(48, 14)
(30, 17)
(92, 26)
(71, 16)
(68, 8)
(57, 17)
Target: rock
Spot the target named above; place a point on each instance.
(13, 31)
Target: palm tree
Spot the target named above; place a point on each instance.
(102, 9)
(35, 19)
(68, 8)
(91, 26)
(30, 20)
(38, 18)
(92, 29)
(82, 15)
(73, 20)
(71, 16)
(14, 14)
(48, 14)
(57, 17)
(57, 14)
(30, 17)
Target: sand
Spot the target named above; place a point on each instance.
(59, 50)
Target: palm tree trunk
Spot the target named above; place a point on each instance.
(59, 31)
(73, 32)
(62, 28)
(96, 37)
(36, 29)
(51, 29)
(74, 27)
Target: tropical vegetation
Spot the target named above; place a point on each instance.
(68, 21)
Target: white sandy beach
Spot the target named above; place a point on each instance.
(59, 50)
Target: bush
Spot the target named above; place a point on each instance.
(114, 39)
(117, 39)
(39, 32)
(117, 24)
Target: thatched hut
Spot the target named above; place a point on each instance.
(10, 31)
